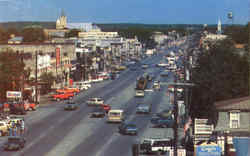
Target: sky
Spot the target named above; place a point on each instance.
(127, 11)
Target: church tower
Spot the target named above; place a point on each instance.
(61, 22)
(219, 27)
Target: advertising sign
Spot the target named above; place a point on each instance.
(201, 126)
(58, 57)
(13, 94)
(208, 151)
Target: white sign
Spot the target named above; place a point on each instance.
(43, 61)
(180, 152)
(13, 94)
(201, 126)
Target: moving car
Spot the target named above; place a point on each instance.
(105, 107)
(143, 108)
(156, 85)
(115, 115)
(14, 143)
(139, 93)
(127, 128)
(70, 106)
(98, 113)
(94, 101)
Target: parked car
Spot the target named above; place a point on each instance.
(98, 113)
(70, 105)
(14, 143)
(94, 101)
(4, 128)
(143, 108)
(127, 128)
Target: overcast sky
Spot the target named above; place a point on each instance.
(127, 11)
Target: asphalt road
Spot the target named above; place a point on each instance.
(55, 132)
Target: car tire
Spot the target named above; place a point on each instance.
(1, 133)
(57, 99)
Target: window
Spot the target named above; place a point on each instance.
(234, 119)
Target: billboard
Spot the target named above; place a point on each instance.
(13, 94)
(58, 57)
(201, 126)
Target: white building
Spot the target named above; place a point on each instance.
(97, 34)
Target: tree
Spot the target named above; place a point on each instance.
(220, 74)
(33, 35)
(238, 33)
(47, 80)
(11, 72)
(3, 36)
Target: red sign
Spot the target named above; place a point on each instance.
(58, 57)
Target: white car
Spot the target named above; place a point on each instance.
(95, 101)
(139, 93)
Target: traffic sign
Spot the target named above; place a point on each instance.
(208, 150)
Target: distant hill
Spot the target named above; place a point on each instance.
(115, 26)
(21, 25)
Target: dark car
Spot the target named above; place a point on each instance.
(98, 112)
(143, 108)
(70, 106)
(128, 128)
(163, 122)
(14, 143)
(17, 110)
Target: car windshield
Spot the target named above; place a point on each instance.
(131, 125)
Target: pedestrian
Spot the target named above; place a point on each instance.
(14, 130)
(22, 127)
(10, 131)
(18, 125)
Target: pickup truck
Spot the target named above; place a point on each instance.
(58, 96)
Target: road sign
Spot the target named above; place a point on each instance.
(208, 150)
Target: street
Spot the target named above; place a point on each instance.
(53, 131)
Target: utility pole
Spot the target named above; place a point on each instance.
(175, 118)
(36, 80)
(248, 57)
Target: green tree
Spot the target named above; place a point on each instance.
(238, 33)
(220, 74)
(47, 80)
(33, 35)
(11, 72)
(4, 36)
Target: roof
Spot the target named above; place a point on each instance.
(242, 104)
